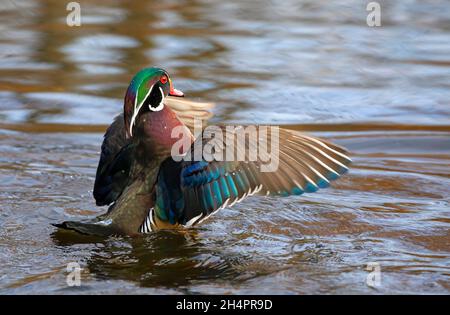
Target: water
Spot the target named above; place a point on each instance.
(310, 65)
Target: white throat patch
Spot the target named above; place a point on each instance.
(161, 104)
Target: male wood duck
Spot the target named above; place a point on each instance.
(148, 189)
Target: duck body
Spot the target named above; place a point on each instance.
(149, 186)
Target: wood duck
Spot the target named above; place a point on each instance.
(148, 188)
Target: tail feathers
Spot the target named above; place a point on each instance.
(87, 228)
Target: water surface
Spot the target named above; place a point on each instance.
(313, 66)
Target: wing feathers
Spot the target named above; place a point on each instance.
(305, 165)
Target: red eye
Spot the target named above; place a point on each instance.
(163, 79)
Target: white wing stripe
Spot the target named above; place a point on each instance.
(325, 146)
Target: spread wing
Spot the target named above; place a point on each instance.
(187, 192)
(117, 151)
(187, 110)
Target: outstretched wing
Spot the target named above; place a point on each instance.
(187, 192)
(116, 156)
(187, 110)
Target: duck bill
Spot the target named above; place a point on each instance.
(174, 92)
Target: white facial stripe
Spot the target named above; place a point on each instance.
(137, 107)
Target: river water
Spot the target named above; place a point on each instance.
(316, 66)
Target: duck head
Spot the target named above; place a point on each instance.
(145, 96)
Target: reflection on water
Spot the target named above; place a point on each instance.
(165, 259)
(311, 65)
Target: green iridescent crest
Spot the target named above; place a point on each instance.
(143, 81)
